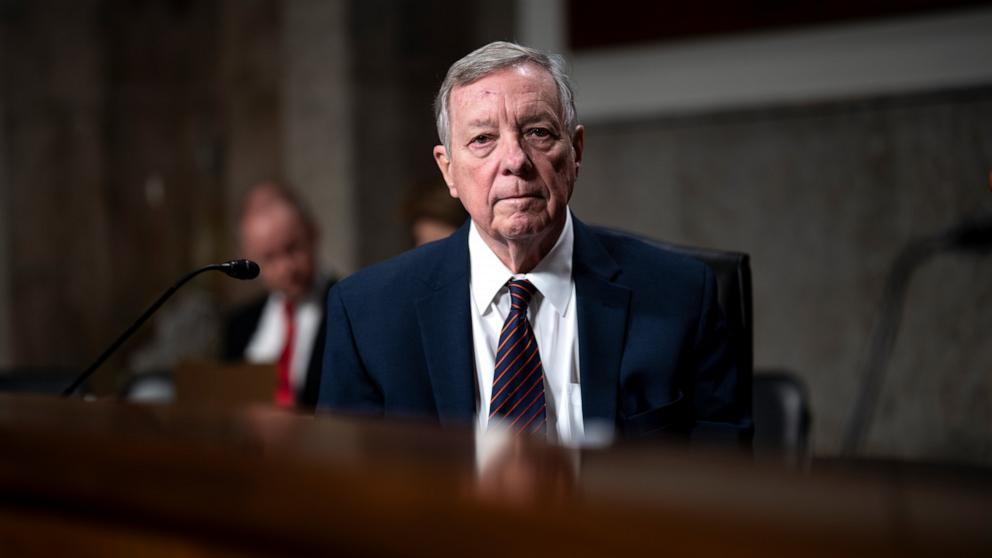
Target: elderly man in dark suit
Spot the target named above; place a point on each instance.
(526, 316)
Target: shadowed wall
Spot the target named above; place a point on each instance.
(123, 123)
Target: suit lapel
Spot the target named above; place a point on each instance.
(446, 332)
(446, 329)
(603, 307)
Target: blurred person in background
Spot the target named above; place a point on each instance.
(432, 214)
(286, 325)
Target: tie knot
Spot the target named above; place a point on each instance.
(521, 290)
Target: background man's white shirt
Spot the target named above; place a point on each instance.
(267, 343)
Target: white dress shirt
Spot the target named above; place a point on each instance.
(267, 343)
(552, 314)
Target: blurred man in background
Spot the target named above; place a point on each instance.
(286, 325)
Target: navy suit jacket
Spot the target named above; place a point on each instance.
(653, 356)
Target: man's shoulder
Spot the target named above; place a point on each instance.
(248, 311)
(416, 269)
(239, 326)
(642, 256)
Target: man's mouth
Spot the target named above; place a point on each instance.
(522, 197)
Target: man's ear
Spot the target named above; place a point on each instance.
(578, 145)
(444, 164)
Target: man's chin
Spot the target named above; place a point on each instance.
(525, 228)
(295, 292)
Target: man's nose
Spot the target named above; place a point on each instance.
(515, 160)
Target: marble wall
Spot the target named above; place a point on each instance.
(824, 197)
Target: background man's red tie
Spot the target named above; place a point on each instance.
(284, 389)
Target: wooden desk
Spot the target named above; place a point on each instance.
(113, 479)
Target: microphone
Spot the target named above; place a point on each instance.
(975, 235)
(239, 269)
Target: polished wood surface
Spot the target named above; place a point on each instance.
(221, 384)
(108, 478)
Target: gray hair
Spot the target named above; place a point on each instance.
(494, 57)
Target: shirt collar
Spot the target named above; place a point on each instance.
(552, 276)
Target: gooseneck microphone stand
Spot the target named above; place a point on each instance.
(239, 269)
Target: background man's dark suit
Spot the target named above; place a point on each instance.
(240, 328)
(653, 353)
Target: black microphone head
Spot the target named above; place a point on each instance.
(241, 269)
(974, 235)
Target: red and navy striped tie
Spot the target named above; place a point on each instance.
(518, 380)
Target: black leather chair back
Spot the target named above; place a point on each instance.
(43, 380)
(733, 282)
(780, 403)
(781, 416)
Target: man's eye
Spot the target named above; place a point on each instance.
(539, 132)
(481, 139)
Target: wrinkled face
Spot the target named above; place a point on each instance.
(511, 163)
(282, 244)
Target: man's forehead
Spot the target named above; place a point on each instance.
(263, 220)
(527, 90)
(518, 79)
